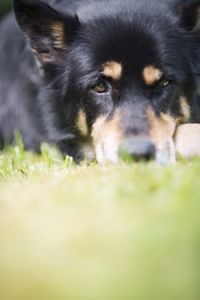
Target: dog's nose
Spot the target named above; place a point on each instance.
(139, 148)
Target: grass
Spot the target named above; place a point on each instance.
(67, 232)
(5, 6)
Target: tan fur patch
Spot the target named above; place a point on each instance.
(58, 35)
(82, 123)
(106, 134)
(151, 75)
(185, 111)
(161, 128)
(112, 69)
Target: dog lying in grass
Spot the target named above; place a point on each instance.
(98, 77)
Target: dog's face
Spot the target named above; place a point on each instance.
(125, 74)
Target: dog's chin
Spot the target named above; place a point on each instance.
(106, 153)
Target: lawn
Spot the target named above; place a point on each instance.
(67, 232)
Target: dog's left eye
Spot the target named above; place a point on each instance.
(164, 83)
(100, 87)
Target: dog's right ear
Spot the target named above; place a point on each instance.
(49, 31)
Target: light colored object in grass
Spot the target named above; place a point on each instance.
(187, 140)
(166, 154)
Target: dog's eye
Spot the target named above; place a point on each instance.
(101, 87)
(164, 83)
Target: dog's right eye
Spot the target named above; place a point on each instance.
(164, 83)
(100, 87)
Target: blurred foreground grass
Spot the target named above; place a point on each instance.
(71, 232)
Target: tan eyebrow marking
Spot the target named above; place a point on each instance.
(58, 35)
(160, 128)
(112, 69)
(151, 75)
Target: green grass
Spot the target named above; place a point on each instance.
(69, 232)
(5, 6)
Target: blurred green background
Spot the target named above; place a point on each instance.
(5, 6)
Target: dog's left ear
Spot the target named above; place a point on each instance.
(48, 31)
(189, 13)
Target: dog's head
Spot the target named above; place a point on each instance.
(125, 71)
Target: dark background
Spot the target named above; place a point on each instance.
(5, 6)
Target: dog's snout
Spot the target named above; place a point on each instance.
(139, 148)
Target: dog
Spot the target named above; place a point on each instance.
(99, 78)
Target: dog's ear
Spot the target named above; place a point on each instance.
(188, 12)
(48, 31)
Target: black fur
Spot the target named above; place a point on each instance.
(42, 97)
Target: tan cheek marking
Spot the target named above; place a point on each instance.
(112, 69)
(106, 136)
(185, 111)
(161, 128)
(151, 75)
(58, 35)
(103, 127)
(81, 123)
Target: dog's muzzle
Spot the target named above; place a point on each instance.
(143, 149)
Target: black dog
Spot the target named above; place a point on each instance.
(94, 77)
